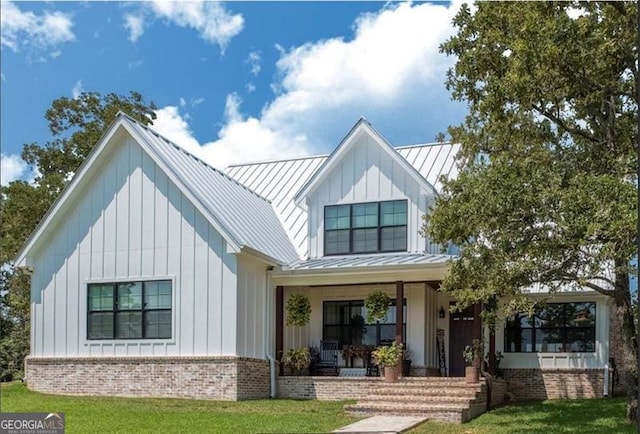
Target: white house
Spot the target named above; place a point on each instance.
(154, 274)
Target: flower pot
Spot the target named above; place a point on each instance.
(390, 374)
(472, 374)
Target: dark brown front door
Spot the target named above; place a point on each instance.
(461, 333)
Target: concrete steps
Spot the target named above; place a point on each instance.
(442, 399)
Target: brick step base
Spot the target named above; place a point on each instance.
(442, 413)
(442, 399)
(470, 393)
(404, 399)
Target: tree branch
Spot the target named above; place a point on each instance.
(562, 124)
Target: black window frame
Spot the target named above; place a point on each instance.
(379, 228)
(115, 310)
(345, 325)
(537, 324)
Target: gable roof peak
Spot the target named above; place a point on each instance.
(179, 148)
(345, 144)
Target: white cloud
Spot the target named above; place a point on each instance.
(135, 25)
(250, 87)
(20, 29)
(11, 168)
(196, 101)
(210, 19)
(254, 59)
(390, 71)
(77, 89)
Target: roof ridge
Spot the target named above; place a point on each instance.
(189, 154)
(422, 145)
(309, 157)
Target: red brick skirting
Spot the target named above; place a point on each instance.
(326, 388)
(225, 378)
(536, 384)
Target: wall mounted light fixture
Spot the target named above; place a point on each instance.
(441, 312)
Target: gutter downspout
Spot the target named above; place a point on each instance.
(268, 334)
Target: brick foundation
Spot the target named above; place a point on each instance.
(537, 384)
(224, 378)
(326, 388)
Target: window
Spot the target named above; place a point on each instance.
(556, 327)
(129, 310)
(365, 228)
(345, 321)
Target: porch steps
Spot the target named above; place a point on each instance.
(442, 399)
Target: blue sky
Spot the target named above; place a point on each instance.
(237, 81)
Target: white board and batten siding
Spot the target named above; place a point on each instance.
(366, 173)
(130, 222)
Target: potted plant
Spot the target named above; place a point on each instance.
(377, 304)
(388, 357)
(406, 362)
(348, 351)
(297, 359)
(472, 358)
(298, 310)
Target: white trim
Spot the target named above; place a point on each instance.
(66, 195)
(364, 274)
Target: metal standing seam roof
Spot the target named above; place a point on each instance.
(377, 260)
(249, 217)
(280, 180)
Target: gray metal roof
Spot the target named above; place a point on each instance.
(249, 219)
(280, 180)
(377, 260)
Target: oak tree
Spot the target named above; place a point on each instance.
(546, 193)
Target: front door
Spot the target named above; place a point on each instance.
(461, 334)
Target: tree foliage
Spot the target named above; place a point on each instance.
(76, 125)
(546, 193)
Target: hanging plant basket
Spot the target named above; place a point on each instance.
(377, 304)
(298, 310)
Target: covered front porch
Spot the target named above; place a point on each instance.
(418, 315)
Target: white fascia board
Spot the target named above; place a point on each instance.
(60, 204)
(260, 256)
(355, 275)
(231, 238)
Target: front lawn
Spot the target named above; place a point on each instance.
(575, 416)
(142, 415)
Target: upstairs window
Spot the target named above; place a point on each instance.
(556, 327)
(365, 228)
(129, 310)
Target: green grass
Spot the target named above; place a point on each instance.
(575, 416)
(142, 415)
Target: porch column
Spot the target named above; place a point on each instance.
(477, 322)
(279, 323)
(399, 311)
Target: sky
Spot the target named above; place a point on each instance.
(233, 82)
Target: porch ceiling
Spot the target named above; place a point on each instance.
(335, 270)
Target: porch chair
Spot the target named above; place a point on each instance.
(327, 364)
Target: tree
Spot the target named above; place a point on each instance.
(546, 192)
(76, 125)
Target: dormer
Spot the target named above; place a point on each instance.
(365, 199)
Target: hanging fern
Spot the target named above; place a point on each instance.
(377, 304)
(298, 310)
